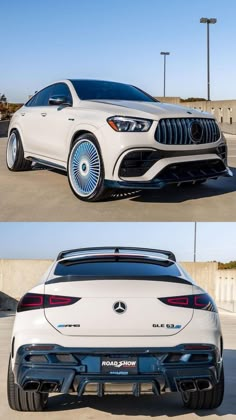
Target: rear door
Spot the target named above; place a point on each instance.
(33, 122)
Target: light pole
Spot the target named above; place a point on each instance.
(195, 242)
(208, 22)
(165, 54)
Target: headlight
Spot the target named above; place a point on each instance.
(129, 124)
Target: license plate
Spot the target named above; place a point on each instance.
(119, 365)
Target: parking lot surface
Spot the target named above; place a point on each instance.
(124, 407)
(45, 195)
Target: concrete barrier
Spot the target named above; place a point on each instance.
(4, 128)
(18, 276)
(225, 289)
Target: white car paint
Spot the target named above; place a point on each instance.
(47, 134)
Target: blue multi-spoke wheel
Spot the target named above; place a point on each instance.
(85, 169)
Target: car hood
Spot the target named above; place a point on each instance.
(154, 110)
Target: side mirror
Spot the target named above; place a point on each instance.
(59, 100)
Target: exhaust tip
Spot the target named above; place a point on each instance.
(203, 384)
(187, 385)
(50, 386)
(31, 386)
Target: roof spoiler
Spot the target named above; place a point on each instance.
(114, 250)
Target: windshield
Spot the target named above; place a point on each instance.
(102, 90)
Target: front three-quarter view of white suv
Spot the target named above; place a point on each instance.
(110, 135)
(116, 319)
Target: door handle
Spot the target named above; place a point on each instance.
(43, 114)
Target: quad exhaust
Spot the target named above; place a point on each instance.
(41, 386)
(192, 385)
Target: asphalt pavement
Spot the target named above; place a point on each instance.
(124, 407)
(45, 195)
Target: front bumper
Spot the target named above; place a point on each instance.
(53, 368)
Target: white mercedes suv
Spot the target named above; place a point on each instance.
(116, 319)
(110, 135)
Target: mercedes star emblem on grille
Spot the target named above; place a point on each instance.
(196, 132)
(119, 307)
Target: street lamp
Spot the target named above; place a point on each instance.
(195, 242)
(165, 54)
(208, 22)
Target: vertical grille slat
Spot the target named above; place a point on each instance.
(163, 129)
(180, 131)
(185, 130)
(177, 131)
(212, 129)
(205, 132)
(169, 130)
(208, 132)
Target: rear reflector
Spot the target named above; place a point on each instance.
(39, 301)
(36, 347)
(201, 301)
(197, 347)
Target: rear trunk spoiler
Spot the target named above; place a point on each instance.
(115, 250)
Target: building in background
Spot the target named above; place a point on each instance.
(224, 111)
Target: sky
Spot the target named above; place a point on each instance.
(48, 40)
(215, 241)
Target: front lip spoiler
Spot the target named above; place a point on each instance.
(159, 184)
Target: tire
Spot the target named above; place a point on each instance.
(205, 399)
(85, 169)
(15, 154)
(20, 400)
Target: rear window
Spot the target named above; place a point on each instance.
(116, 269)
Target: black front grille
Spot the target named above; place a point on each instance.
(180, 131)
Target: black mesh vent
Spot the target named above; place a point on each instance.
(137, 163)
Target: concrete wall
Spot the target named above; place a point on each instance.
(204, 274)
(225, 289)
(224, 111)
(18, 276)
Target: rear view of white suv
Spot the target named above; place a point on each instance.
(124, 317)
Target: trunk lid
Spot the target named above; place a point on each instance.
(119, 307)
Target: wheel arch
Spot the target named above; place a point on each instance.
(79, 133)
(16, 128)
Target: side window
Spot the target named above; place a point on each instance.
(41, 98)
(32, 101)
(61, 89)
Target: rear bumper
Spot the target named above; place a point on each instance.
(59, 369)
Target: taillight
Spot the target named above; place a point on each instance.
(39, 301)
(201, 301)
